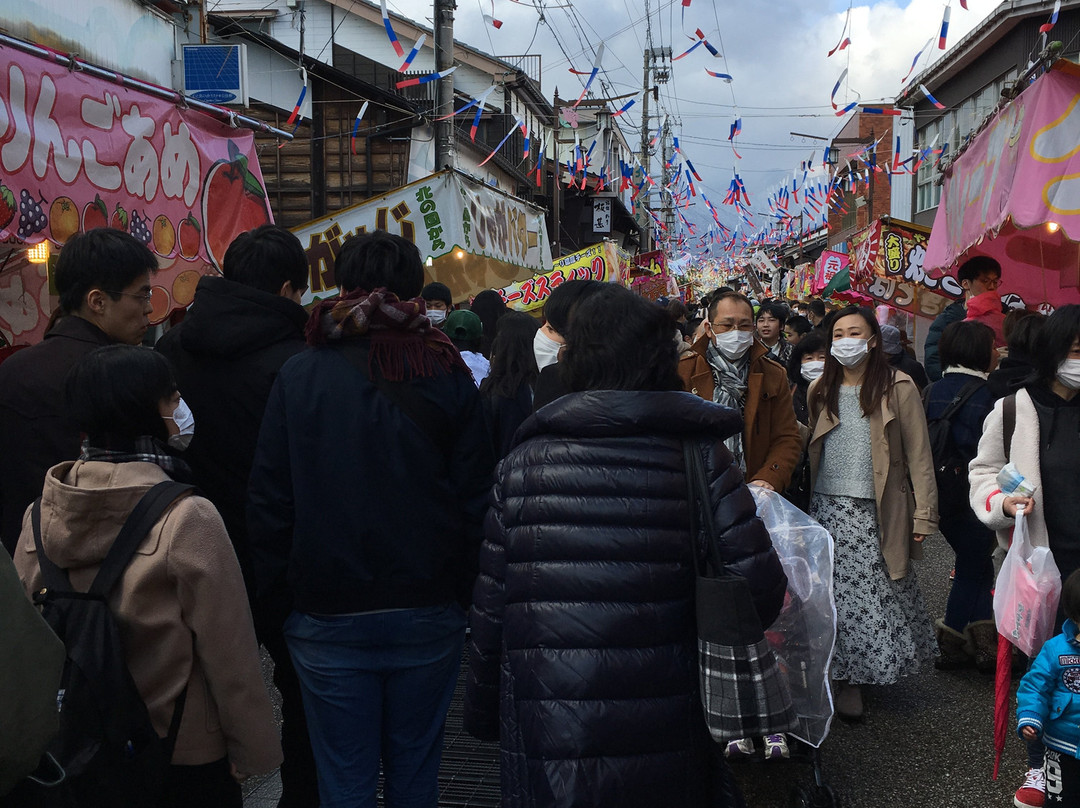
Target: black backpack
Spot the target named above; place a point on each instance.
(107, 745)
(950, 467)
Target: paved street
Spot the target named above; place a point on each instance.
(926, 742)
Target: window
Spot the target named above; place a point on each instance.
(927, 192)
(849, 219)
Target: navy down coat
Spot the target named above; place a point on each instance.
(583, 657)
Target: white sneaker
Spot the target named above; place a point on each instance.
(743, 746)
(776, 747)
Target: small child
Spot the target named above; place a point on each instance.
(1048, 702)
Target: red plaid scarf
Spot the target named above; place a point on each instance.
(404, 344)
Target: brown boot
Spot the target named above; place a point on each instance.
(984, 637)
(955, 650)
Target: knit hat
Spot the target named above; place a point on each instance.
(464, 326)
(890, 340)
(437, 291)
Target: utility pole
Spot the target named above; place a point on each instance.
(668, 209)
(444, 93)
(556, 189)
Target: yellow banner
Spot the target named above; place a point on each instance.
(601, 262)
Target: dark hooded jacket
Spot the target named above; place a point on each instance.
(227, 353)
(583, 657)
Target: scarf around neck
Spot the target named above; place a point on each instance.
(730, 391)
(403, 343)
(145, 450)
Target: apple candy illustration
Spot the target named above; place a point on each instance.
(95, 214)
(188, 236)
(233, 202)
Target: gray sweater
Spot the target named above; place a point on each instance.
(846, 469)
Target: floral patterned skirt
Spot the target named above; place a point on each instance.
(883, 630)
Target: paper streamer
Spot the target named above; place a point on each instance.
(625, 107)
(517, 123)
(412, 54)
(299, 103)
(356, 126)
(1045, 28)
(593, 74)
(725, 76)
(844, 40)
(836, 88)
(918, 56)
(425, 79)
(705, 42)
(400, 51)
(931, 98)
(944, 28)
(689, 50)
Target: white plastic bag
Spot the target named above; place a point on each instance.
(804, 634)
(1027, 591)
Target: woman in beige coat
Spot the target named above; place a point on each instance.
(181, 606)
(872, 479)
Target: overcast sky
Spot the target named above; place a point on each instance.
(775, 50)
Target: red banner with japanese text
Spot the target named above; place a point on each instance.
(79, 152)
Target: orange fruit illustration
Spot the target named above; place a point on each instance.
(164, 236)
(183, 288)
(159, 300)
(63, 219)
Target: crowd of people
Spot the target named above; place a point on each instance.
(379, 473)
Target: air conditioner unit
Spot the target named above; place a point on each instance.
(216, 74)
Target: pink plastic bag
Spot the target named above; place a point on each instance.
(1027, 591)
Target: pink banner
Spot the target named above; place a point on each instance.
(78, 152)
(1015, 194)
(827, 265)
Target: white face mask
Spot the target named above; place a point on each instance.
(545, 349)
(812, 369)
(1068, 373)
(733, 345)
(185, 421)
(436, 316)
(849, 351)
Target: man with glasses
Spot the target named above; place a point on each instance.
(976, 275)
(742, 376)
(103, 279)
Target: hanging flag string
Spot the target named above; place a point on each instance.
(356, 126)
(517, 123)
(725, 76)
(400, 51)
(425, 79)
(299, 103)
(931, 98)
(412, 54)
(626, 106)
(1047, 27)
(592, 74)
(943, 36)
(844, 40)
(915, 61)
(479, 100)
(490, 18)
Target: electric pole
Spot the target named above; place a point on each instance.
(444, 93)
(656, 72)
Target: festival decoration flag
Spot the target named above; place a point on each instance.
(963, 5)
(692, 171)
(705, 42)
(517, 123)
(625, 106)
(879, 111)
(478, 101)
(299, 103)
(412, 54)
(918, 56)
(490, 18)
(425, 79)
(688, 51)
(836, 88)
(931, 98)
(1045, 28)
(725, 76)
(525, 132)
(844, 40)
(592, 74)
(944, 28)
(356, 126)
(400, 51)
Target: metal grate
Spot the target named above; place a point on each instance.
(469, 774)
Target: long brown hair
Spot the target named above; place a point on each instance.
(877, 378)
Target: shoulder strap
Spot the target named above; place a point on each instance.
(962, 395)
(700, 502)
(138, 524)
(1008, 422)
(51, 575)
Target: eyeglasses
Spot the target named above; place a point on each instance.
(145, 297)
(733, 326)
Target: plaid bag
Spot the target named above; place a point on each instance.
(742, 690)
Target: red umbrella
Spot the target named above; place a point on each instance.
(1002, 683)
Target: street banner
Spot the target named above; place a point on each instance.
(600, 262)
(651, 263)
(476, 236)
(887, 269)
(1014, 194)
(826, 267)
(80, 152)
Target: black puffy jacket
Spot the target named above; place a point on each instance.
(584, 657)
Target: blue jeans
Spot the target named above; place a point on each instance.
(969, 598)
(377, 687)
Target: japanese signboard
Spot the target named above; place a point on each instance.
(79, 152)
(652, 263)
(476, 236)
(887, 265)
(601, 213)
(828, 264)
(601, 262)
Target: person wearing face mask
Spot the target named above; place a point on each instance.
(180, 604)
(1044, 446)
(549, 340)
(439, 302)
(873, 488)
(807, 362)
(738, 373)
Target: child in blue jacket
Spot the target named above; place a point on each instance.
(1048, 702)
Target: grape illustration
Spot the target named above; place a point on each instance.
(139, 229)
(32, 218)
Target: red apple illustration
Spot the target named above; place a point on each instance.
(95, 214)
(188, 236)
(233, 202)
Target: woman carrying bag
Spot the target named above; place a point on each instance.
(873, 490)
(584, 658)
